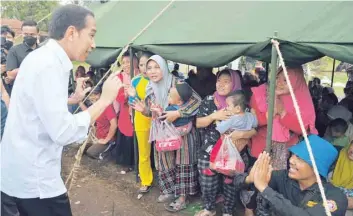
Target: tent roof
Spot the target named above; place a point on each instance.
(210, 33)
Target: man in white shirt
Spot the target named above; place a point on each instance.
(39, 123)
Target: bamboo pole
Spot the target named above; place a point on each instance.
(271, 102)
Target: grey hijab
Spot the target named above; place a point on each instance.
(161, 88)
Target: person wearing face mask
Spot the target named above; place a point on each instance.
(18, 53)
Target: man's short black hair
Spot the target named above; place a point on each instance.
(338, 125)
(30, 23)
(12, 33)
(238, 99)
(66, 16)
(5, 29)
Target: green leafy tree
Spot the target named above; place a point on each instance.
(29, 10)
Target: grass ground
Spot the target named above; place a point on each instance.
(339, 81)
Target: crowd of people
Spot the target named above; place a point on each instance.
(205, 111)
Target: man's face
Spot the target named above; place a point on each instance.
(299, 169)
(82, 42)
(29, 31)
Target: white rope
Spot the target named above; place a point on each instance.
(113, 66)
(297, 110)
(71, 180)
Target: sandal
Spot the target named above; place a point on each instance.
(145, 189)
(165, 198)
(205, 212)
(176, 206)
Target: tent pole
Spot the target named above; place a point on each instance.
(333, 72)
(131, 54)
(267, 67)
(272, 96)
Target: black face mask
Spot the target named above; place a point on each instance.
(8, 44)
(30, 41)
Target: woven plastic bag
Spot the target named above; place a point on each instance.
(227, 159)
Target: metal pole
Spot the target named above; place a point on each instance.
(271, 103)
(333, 72)
(131, 54)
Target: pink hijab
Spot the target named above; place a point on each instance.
(302, 94)
(236, 85)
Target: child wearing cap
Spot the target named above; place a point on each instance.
(177, 97)
(296, 191)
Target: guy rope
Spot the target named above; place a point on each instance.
(305, 135)
(71, 179)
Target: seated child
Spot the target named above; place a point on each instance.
(240, 121)
(106, 127)
(338, 128)
(177, 97)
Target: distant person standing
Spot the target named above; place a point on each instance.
(39, 123)
(18, 53)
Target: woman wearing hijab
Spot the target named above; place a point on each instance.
(142, 124)
(177, 170)
(343, 173)
(125, 141)
(212, 109)
(286, 128)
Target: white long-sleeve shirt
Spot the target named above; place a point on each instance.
(39, 125)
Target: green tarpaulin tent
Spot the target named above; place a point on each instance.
(214, 33)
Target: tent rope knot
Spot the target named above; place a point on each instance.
(305, 135)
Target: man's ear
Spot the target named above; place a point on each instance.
(70, 32)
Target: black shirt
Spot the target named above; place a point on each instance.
(16, 55)
(209, 135)
(14, 59)
(285, 198)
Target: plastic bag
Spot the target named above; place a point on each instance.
(165, 135)
(227, 159)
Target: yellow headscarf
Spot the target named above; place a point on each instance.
(343, 174)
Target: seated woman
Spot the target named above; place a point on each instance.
(343, 173)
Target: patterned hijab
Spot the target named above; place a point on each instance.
(161, 88)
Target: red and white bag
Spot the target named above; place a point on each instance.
(166, 136)
(227, 159)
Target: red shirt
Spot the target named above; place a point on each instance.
(103, 122)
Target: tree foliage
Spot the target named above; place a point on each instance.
(29, 10)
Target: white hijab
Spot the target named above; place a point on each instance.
(161, 88)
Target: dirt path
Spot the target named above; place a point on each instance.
(101, 190)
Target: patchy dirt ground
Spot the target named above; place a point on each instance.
(101, 190)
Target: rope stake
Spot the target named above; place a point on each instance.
(297, 111)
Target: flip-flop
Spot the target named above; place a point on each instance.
(148, 188)
(176, 206)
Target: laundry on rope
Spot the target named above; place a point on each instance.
(305, 135)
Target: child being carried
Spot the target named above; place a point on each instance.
(240, 121)
(178, 96)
